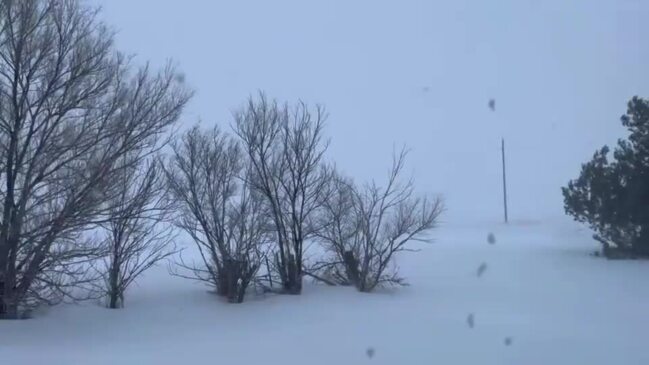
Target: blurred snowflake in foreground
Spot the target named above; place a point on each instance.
(470, 320)
(370, 352)
(482, 268)
(492, 104)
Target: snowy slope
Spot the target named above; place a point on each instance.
(541, 288)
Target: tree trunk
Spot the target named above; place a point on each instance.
(241, 294)
(641, 244)
(231, 282)
(10, 312)
(8, 297)
(351, 268)
(270, 274)
(114, 291)
(113, 300)
(233, 279)
(293, 279)
(222, 280)
(3, 306)
(290, 274)
(8, 306)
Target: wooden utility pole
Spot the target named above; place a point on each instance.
(504, 179)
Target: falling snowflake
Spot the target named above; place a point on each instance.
(470, 320)
(492, 104)
(482, 268)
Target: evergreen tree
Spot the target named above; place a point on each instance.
(612, 197)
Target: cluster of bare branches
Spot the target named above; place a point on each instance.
(285, 148)
(72, 120)
(363, 228)
(219, 210)
(139, 231)
(84, 194)
(275, 176)
(250, 196)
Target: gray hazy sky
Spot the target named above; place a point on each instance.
(419, 73)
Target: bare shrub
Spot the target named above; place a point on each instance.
(363, 228)
(285, 148)
(139, 231)
(218, 210)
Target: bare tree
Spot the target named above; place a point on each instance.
(69, 110)
(285, 148)
(363, 228)
(218, 210)
(139, 229)
(338, 227)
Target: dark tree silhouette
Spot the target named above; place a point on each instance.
(364, 228)
(285, 148)
(224, 217)
(139, 230)
(69, 110)
(612, 196)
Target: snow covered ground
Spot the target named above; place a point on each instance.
(541, 289)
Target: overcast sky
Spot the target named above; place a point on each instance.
(418, 73)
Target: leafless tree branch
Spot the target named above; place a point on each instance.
(139, 230)
(70, 109)
(363, 228)
(218, 210)
(285, 147)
